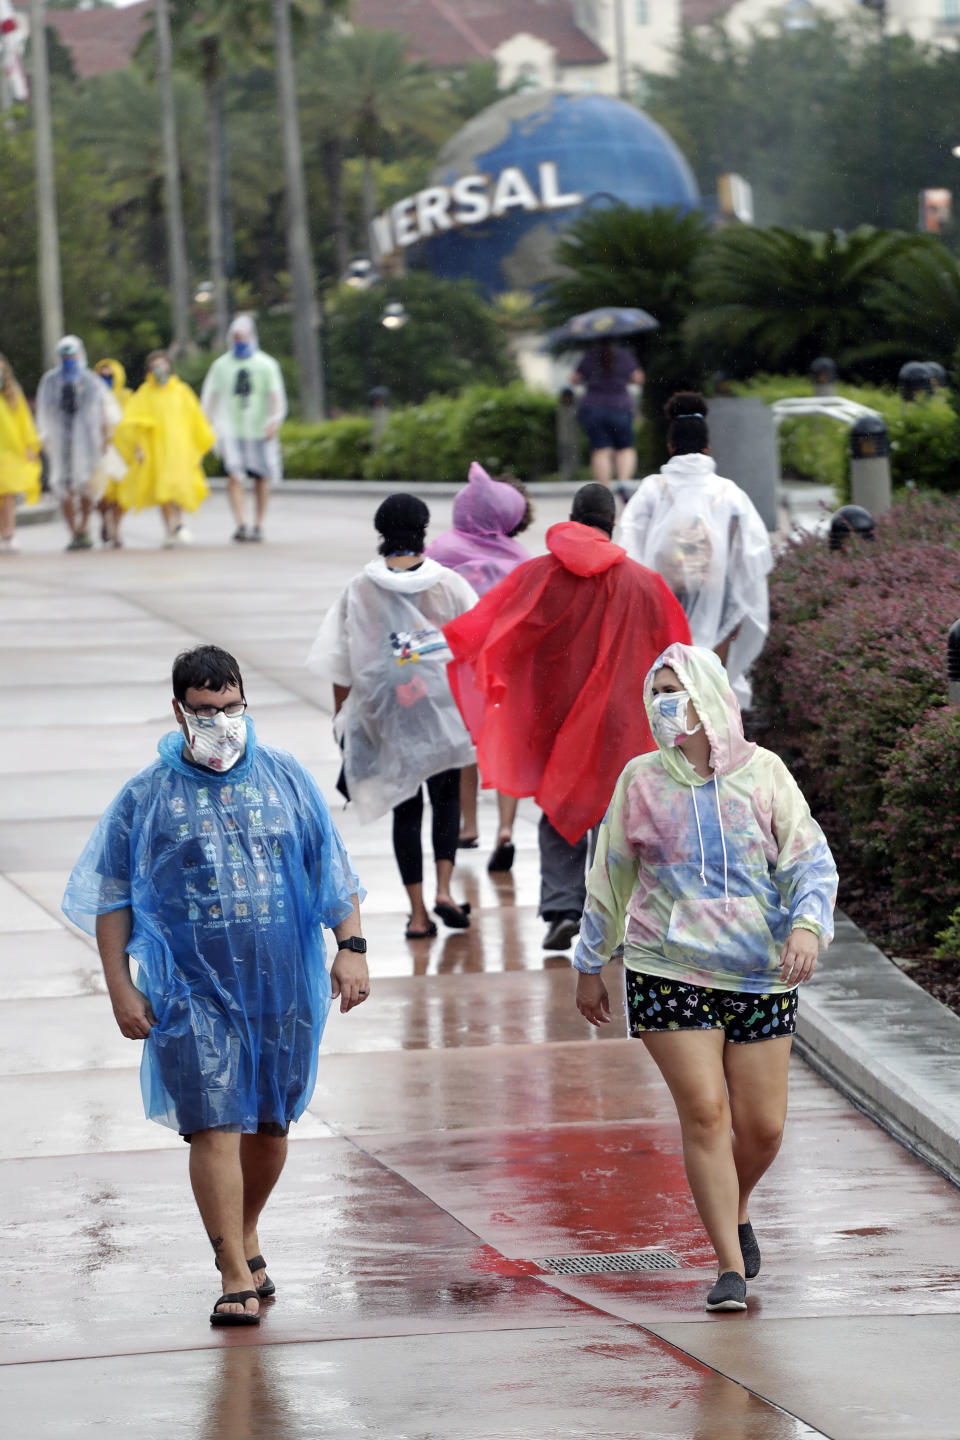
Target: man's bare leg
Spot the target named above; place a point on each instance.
(261, 490)
(238, 499)
(217, 1180)
(262, 1158)
(601, 466)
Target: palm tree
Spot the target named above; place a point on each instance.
(386, 97)
(775, 299)
(918, 308)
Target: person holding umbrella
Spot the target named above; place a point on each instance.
(607, 369)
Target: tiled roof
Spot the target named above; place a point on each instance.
(451, 32)
(701, 12)
(102, 39)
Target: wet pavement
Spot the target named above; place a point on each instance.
(466, 1125)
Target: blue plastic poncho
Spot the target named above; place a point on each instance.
(231, 878)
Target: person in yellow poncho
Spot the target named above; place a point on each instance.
(163, 437)
(113, 467)
(19, 455)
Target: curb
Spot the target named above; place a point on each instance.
(887, 1045)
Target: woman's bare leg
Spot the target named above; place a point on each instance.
(8, 516)
(756, 1077)
(692, 1064)
(469, 785)
(626, 463)
(507, 806)
(601, 465)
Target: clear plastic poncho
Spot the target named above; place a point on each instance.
(704, 535)
(231, 878)
(383, 639)
(70, 422)
(240, 398)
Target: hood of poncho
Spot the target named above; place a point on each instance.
(702, 675)
(582, 549)
(407, 582)
(487, 507)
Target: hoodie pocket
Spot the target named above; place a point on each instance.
(719, 934)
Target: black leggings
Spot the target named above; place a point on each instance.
(444, 792)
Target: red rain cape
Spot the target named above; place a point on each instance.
(548, 673)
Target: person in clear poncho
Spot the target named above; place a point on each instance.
(215, 870)
(718, 884)
(703, 534)
(382, 648)
(482, 547)
(73, 423)
(245, 400)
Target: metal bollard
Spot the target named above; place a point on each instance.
(850, 520)
(824, 372)
(953, 665)
(870, 484)
(914, 381)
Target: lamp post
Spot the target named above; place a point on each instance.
(879, 8)
(51, 295)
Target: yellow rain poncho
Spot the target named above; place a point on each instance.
(113, 466)
(19, 447)
(166, 424)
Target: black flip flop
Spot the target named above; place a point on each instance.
(229, 1317)
(268, 1288)
(502, 858)
(427, 934)
(455, 917)
(470, 843)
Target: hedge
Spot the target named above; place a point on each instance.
(851, 690)
(507, 429)
(924, 436)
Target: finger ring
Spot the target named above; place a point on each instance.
(363, 992)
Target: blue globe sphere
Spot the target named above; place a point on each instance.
(573, 152)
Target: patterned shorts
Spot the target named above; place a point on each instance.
(654, 1003)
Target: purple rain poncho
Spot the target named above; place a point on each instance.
(231, 878)
(479, 547)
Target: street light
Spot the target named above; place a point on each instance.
(394, 315)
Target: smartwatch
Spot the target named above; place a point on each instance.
(353, 943)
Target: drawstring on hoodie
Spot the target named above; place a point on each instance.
(723, 842)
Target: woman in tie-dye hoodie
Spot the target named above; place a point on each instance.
(720, 885)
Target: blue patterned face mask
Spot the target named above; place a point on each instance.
(670, 718)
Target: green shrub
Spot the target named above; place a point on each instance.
(335, 450)
(948, 946)
(505, 429)
(511, 429)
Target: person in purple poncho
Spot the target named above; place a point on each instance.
(487, 515)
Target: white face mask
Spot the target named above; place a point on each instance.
(217, 743)
(670, 718)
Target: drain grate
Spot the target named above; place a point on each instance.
(605, 1264)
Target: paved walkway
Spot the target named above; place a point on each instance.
(466, 1122)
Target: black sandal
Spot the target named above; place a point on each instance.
(221, 1317)
(427, 934)
(455, 917)
(268, 1288)
(502, 858)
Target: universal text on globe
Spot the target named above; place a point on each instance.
(468, 201)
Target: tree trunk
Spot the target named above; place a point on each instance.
(369, 203)
(176, 242)
(51, 295)
(305, 331)
(332, 155)
(213, 85)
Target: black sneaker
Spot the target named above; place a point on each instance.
(561, 932)
(729, 1293)
(256, 535)
(749, 1249)
(240, 533)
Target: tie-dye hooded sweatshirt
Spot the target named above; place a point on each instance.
(703, 879)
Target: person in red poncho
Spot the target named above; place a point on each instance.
(548, 674)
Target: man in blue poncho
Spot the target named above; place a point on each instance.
(215, 869)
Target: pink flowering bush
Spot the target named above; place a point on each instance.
(848, 688)
(920, 821)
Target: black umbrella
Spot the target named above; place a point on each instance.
(610, 322)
